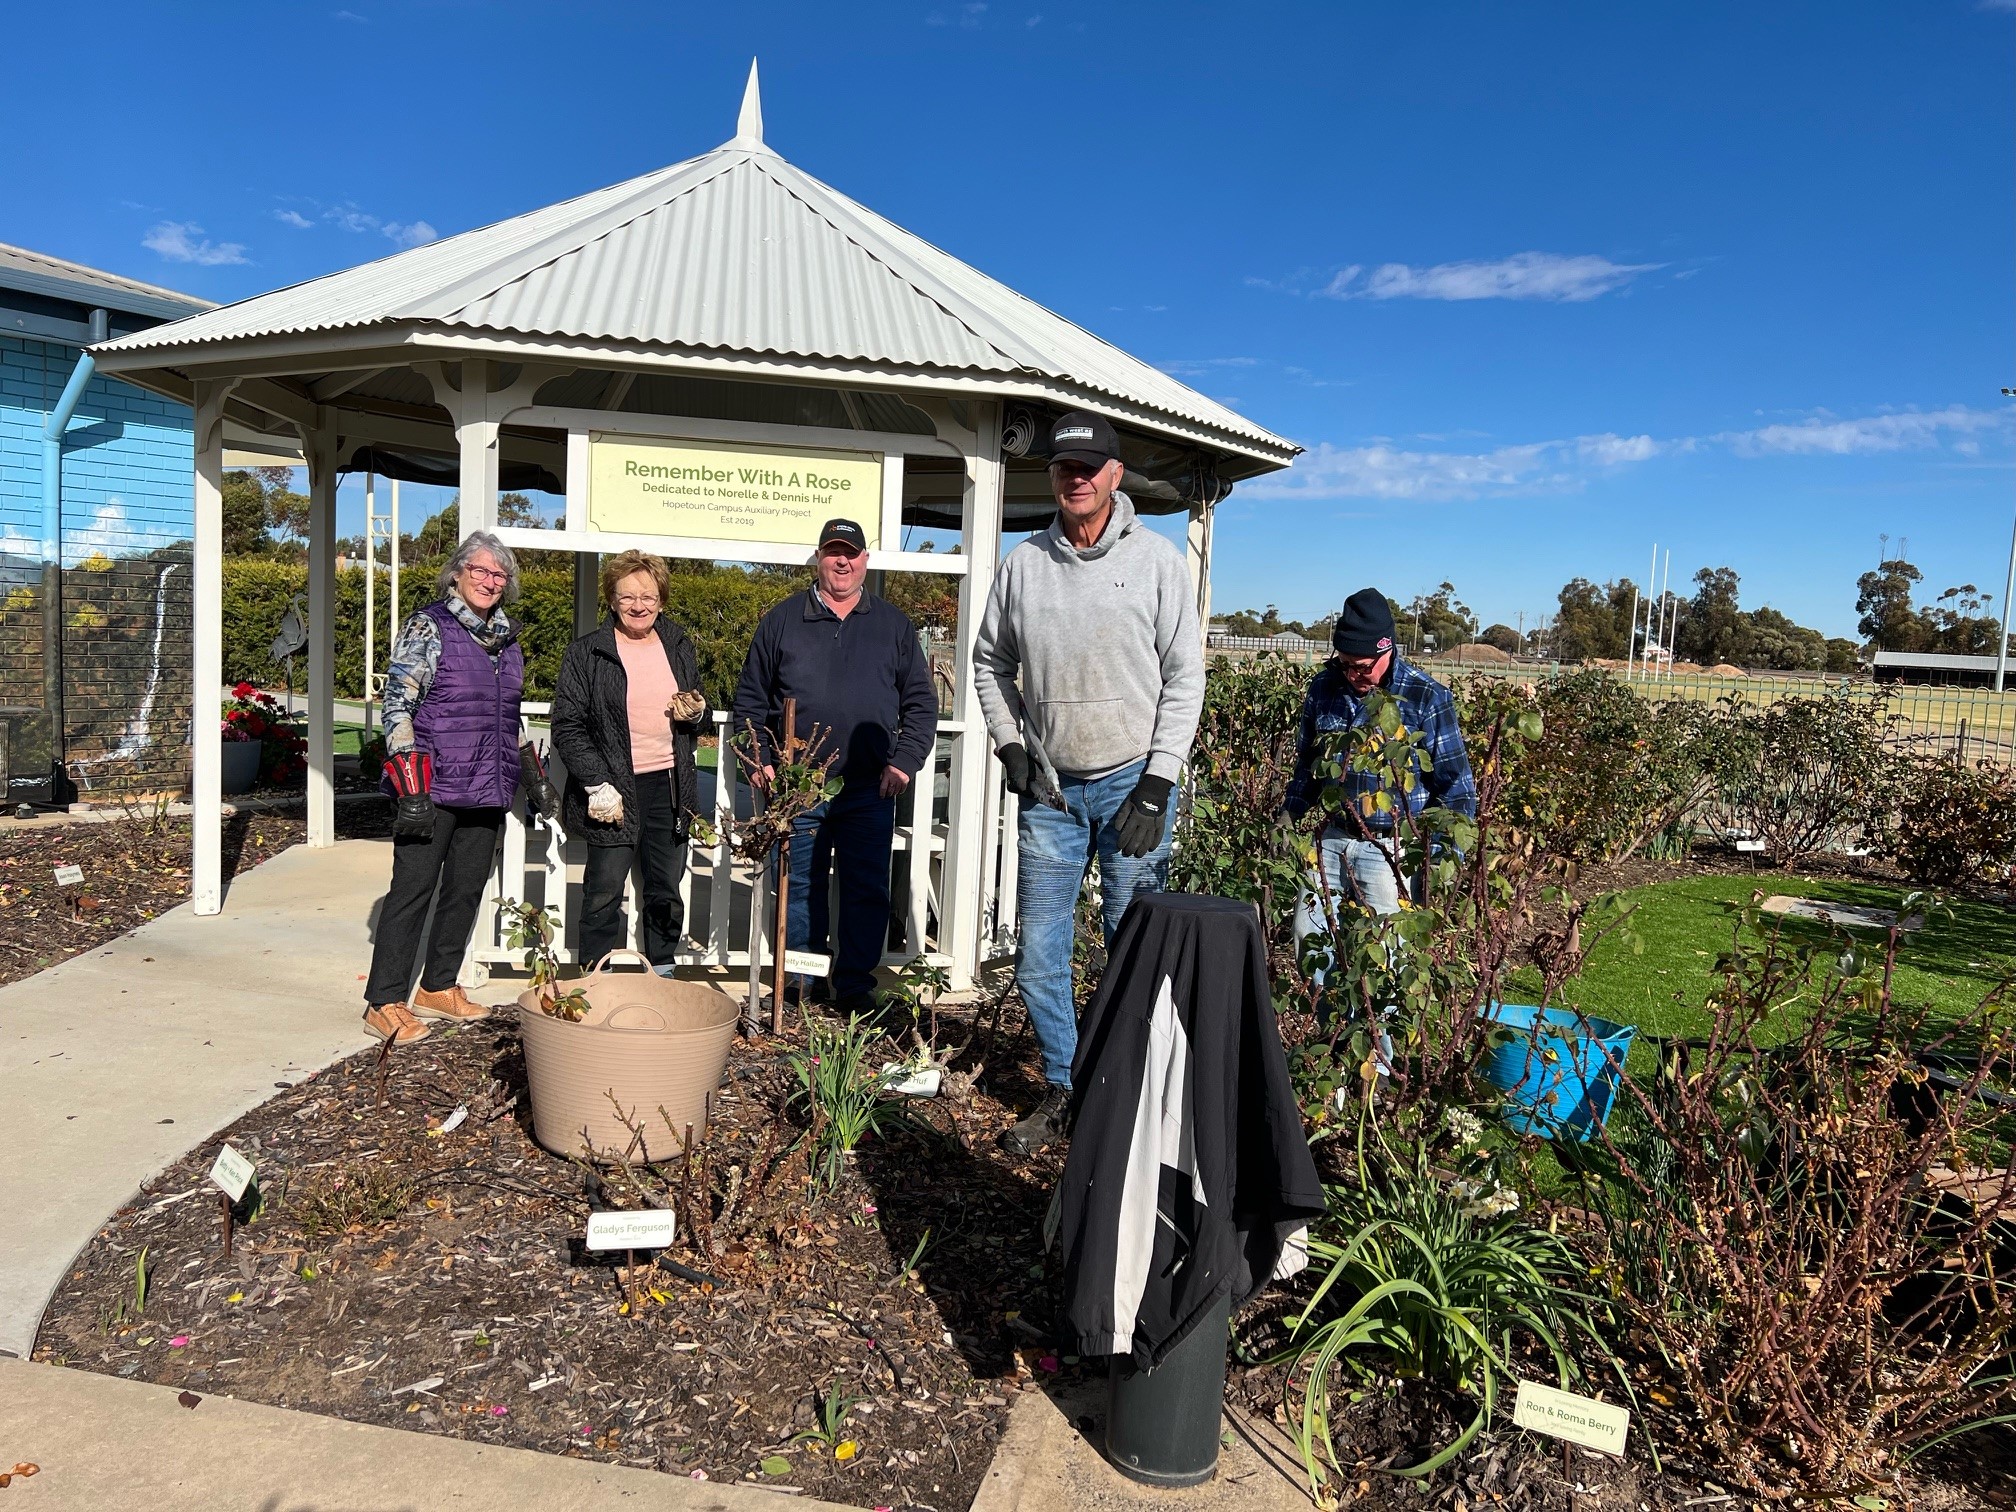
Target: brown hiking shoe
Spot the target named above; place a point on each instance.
(453, 1003)
(395, 1022)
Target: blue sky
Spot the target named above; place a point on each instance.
(1536, 284)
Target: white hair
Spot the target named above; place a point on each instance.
(475, 541)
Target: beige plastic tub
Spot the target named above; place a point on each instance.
(652, 1041)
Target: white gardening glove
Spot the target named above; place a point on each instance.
(605, 804)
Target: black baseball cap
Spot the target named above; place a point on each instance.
(846, 532)
(1084, 438)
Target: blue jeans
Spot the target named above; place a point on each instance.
(851, 833)
(1356, 872)
(1371, 881)
(1055, 849)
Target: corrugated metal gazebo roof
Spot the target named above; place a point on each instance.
(733, 252)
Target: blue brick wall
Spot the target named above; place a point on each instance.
(128, 466)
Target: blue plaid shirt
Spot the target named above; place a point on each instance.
(1425, 708)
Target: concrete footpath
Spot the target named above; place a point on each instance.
(1051, 1460)
(103, 1443)
(118, 1061)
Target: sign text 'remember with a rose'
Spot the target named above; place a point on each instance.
(713, 491)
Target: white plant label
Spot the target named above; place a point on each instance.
(231, 1173)
(1747, 846)
(69, 876)
(648, 1229)
(807, 963)
(1578, 1419)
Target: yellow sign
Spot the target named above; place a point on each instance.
(714, 491)
(1578, 1419)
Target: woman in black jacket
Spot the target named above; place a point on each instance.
(625, 714)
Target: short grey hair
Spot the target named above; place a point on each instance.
(475, 541)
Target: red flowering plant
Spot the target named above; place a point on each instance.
(255, 715)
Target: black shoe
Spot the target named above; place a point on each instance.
(1045, 1126)
(866, 1004)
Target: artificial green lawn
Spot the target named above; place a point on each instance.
(1950, 964)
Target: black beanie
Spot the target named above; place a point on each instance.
(1365, 628)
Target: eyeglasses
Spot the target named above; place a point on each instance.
(636, 601)
(488, 574)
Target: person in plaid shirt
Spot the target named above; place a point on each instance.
(1357, 845)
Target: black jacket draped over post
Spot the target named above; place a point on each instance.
(1189, 1173)
(591, 731)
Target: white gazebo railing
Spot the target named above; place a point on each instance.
(722, 894)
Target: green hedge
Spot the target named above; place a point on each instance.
(718, 606)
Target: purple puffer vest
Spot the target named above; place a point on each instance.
(468, 722)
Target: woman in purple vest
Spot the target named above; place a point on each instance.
(625, 712)
(453, 759)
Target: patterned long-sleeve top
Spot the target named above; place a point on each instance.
(1426, 707)
(416, 655)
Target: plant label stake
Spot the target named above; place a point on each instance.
(230, 1173)
(651, 1228)
(787, 756)
(1575, 1419)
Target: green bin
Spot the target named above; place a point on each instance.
(1162, 1425)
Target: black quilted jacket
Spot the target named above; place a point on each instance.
(591, 731)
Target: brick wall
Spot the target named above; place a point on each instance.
(127, 471)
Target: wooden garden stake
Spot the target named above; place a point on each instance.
(636, 1299)
(224, 1202)
(786, 755)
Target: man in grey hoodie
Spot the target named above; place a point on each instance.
(1096, 615)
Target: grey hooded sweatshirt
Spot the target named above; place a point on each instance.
(1106, 645)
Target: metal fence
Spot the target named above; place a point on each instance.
(1975, 724)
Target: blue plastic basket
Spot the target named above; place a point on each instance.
(1559, 1071)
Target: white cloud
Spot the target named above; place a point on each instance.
(347, 217)
(181, 241)
(1033, 21)
(1613, 451)
(1382, 470)
(1526, 275)
(293, 218)
(413, 234)
(350, 218)
(346, 15)
(1909, 430)
(1197, 367)
(971, 12)
(1998, 5)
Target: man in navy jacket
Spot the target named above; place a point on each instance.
(852, 662)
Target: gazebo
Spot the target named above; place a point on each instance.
(657, 352)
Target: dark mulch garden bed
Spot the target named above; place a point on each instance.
(136, 867)
(404, 1276)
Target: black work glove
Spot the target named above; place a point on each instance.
(1143, 816)
(1020, 771)
(540, 797)
(412, 774)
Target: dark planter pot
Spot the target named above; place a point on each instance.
(241, 765)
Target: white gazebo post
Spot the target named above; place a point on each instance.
(320, 445)
(1198, 541)
(965, 840)
(478, 436)
(206, 713)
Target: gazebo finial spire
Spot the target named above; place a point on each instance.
(749, 124)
